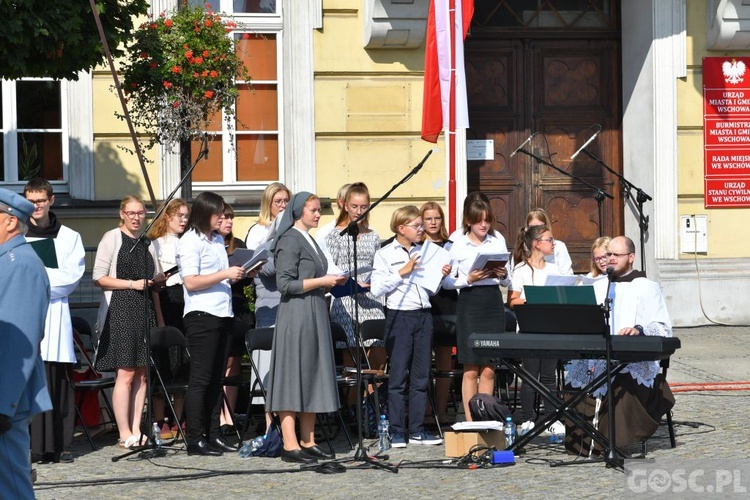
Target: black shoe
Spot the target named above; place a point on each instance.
(65, 457)
(202, 448)
(297, 456)
(220, 445)
(227, 430)
(317, 452)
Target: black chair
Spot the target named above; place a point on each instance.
(444, 335)
(163, 339)
(242, 381)
(96, 382)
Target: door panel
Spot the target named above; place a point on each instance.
(560, 88)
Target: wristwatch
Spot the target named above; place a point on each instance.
(639, 328)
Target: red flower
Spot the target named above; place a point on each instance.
(205, 73)
(196, 75)
(163, 14)
(152, 26)
(189, 54)
(168, 23)
(185, 46)
(175, 104)
(209, 94)
(197, 29)
(214, 74)
(176, 69)
(167, 85)
(143, 55)
(197, 60)
(209, 23)
(153, 65)
(205, 53)
(133, 85)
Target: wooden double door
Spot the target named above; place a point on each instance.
(559, 88)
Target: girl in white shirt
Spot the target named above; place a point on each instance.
(480, 303)
(535, 243)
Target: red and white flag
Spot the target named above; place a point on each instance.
(437, 67)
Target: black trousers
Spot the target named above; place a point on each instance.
(544, 370)
(408, 342)
(207, 337)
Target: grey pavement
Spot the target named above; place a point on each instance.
(709, 424)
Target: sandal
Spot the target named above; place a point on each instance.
(129, 442)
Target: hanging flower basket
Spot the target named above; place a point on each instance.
(180, 73)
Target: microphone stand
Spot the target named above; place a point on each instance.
(611, 457)
(352, 229)
(599, 194)
(151, 449)
(640, 198)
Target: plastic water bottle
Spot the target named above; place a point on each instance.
(156, 434)
(510, 432)
(248, 448)
(384, 438)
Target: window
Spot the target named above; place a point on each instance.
(254, 157)
(34, 128)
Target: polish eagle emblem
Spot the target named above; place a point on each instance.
(733, 71)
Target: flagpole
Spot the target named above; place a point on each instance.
(452, 202)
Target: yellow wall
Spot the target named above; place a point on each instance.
(722, 222)
(368, 115)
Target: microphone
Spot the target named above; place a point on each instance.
(585, 144)
(610, 272)
(519, 148)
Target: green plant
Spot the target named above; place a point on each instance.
(28, 165)
(180, 74)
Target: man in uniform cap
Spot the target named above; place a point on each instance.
(24, 297)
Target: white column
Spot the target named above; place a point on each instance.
(299, 102)
(81, 138)
(653, 55)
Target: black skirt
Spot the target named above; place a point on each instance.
(480, 309)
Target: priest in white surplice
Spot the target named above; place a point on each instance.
(61, 250)
(642, 396)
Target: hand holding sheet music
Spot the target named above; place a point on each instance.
(490, 261)
(429, 272)
(249, 259)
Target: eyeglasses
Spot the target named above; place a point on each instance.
(38, 202)
(280, 203)
(618, 255)
(420, 227)
(602, 258)
(551, 240)
(133, 215)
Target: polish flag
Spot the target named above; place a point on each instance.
(437, 67)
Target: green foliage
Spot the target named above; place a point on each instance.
(180, 74)
(59, 38)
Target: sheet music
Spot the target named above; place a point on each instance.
(250, 259)
(429, 271)
(490, 260)
(561, 280)
(585, 280)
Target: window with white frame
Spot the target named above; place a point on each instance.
(254, 157)
(34, 127)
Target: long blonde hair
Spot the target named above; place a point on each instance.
(355, 188)
(264, 219)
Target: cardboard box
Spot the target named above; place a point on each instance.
(458, 444)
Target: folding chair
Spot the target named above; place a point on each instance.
(162, 339)
(98, 384)
(242, 381)
(261, 339)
